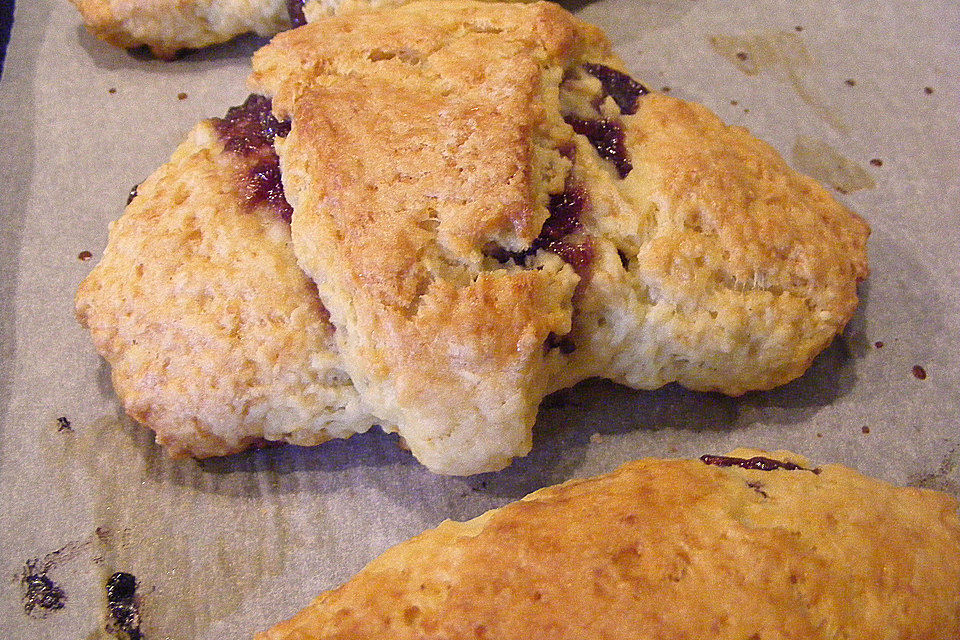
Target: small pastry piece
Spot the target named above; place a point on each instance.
(491, 211)
(215, 337)
(756, 545)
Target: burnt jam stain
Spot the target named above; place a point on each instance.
(132, 194)
(919, 372)
(295, 12)
(123, 606)
(63, 424)
(566, 210)
(607, 137)
(624, 90)
(249, 131)
(40, 594)
(757, 463)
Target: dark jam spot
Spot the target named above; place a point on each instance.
(568, 151)
(850, 82)
(122, 605)
(878, 344)
(758, 463)
(742, 55)
(564, 343)
(566, 210)
(756, 486)
(84, 256)
(928, 90)
(249, 131)
(112, 90)
(40, 593)
(295, 11)
(919, 372)
(876, 162)
(262, 185)
(63, 424)
(624, 90)
(132, 194)
(864, 429)
(181, 96)
(607, 138)
(250, 128)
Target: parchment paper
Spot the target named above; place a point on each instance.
(864, 95)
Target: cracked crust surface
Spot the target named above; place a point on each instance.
(669, 549)
(419, 137)
(426, 135)
(718, 266)
(215, 337)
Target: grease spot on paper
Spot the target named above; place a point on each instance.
(819, 160)
(781, 53)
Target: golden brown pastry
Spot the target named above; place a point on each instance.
(216, 339)
(670, 549)
(492, 210)
(169, 26)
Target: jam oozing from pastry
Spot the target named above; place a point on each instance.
(757, 463)
(624, 90)
(607, 137)
(565, 209)
(249, 131)
(295, 11)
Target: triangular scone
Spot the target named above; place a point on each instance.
(492, 211)
(421, 138)
(215, 337)
(761, 546)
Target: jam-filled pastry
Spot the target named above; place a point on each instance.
(216, 339)
(751, 545)
(492, 209)
(169, 26)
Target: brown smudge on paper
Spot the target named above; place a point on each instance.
(782, 53)
(821, 161)
(940, 479)
(141, 499)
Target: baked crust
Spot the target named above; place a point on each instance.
(215, 337)
(669, 549)
(717, 265)
(168, 26)
(419, 136)
(429, 141)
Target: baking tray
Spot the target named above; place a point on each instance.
(862, 95)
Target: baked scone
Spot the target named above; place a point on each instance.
(492, 211)
(169, 26)
(763, 546)
(215, 337)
